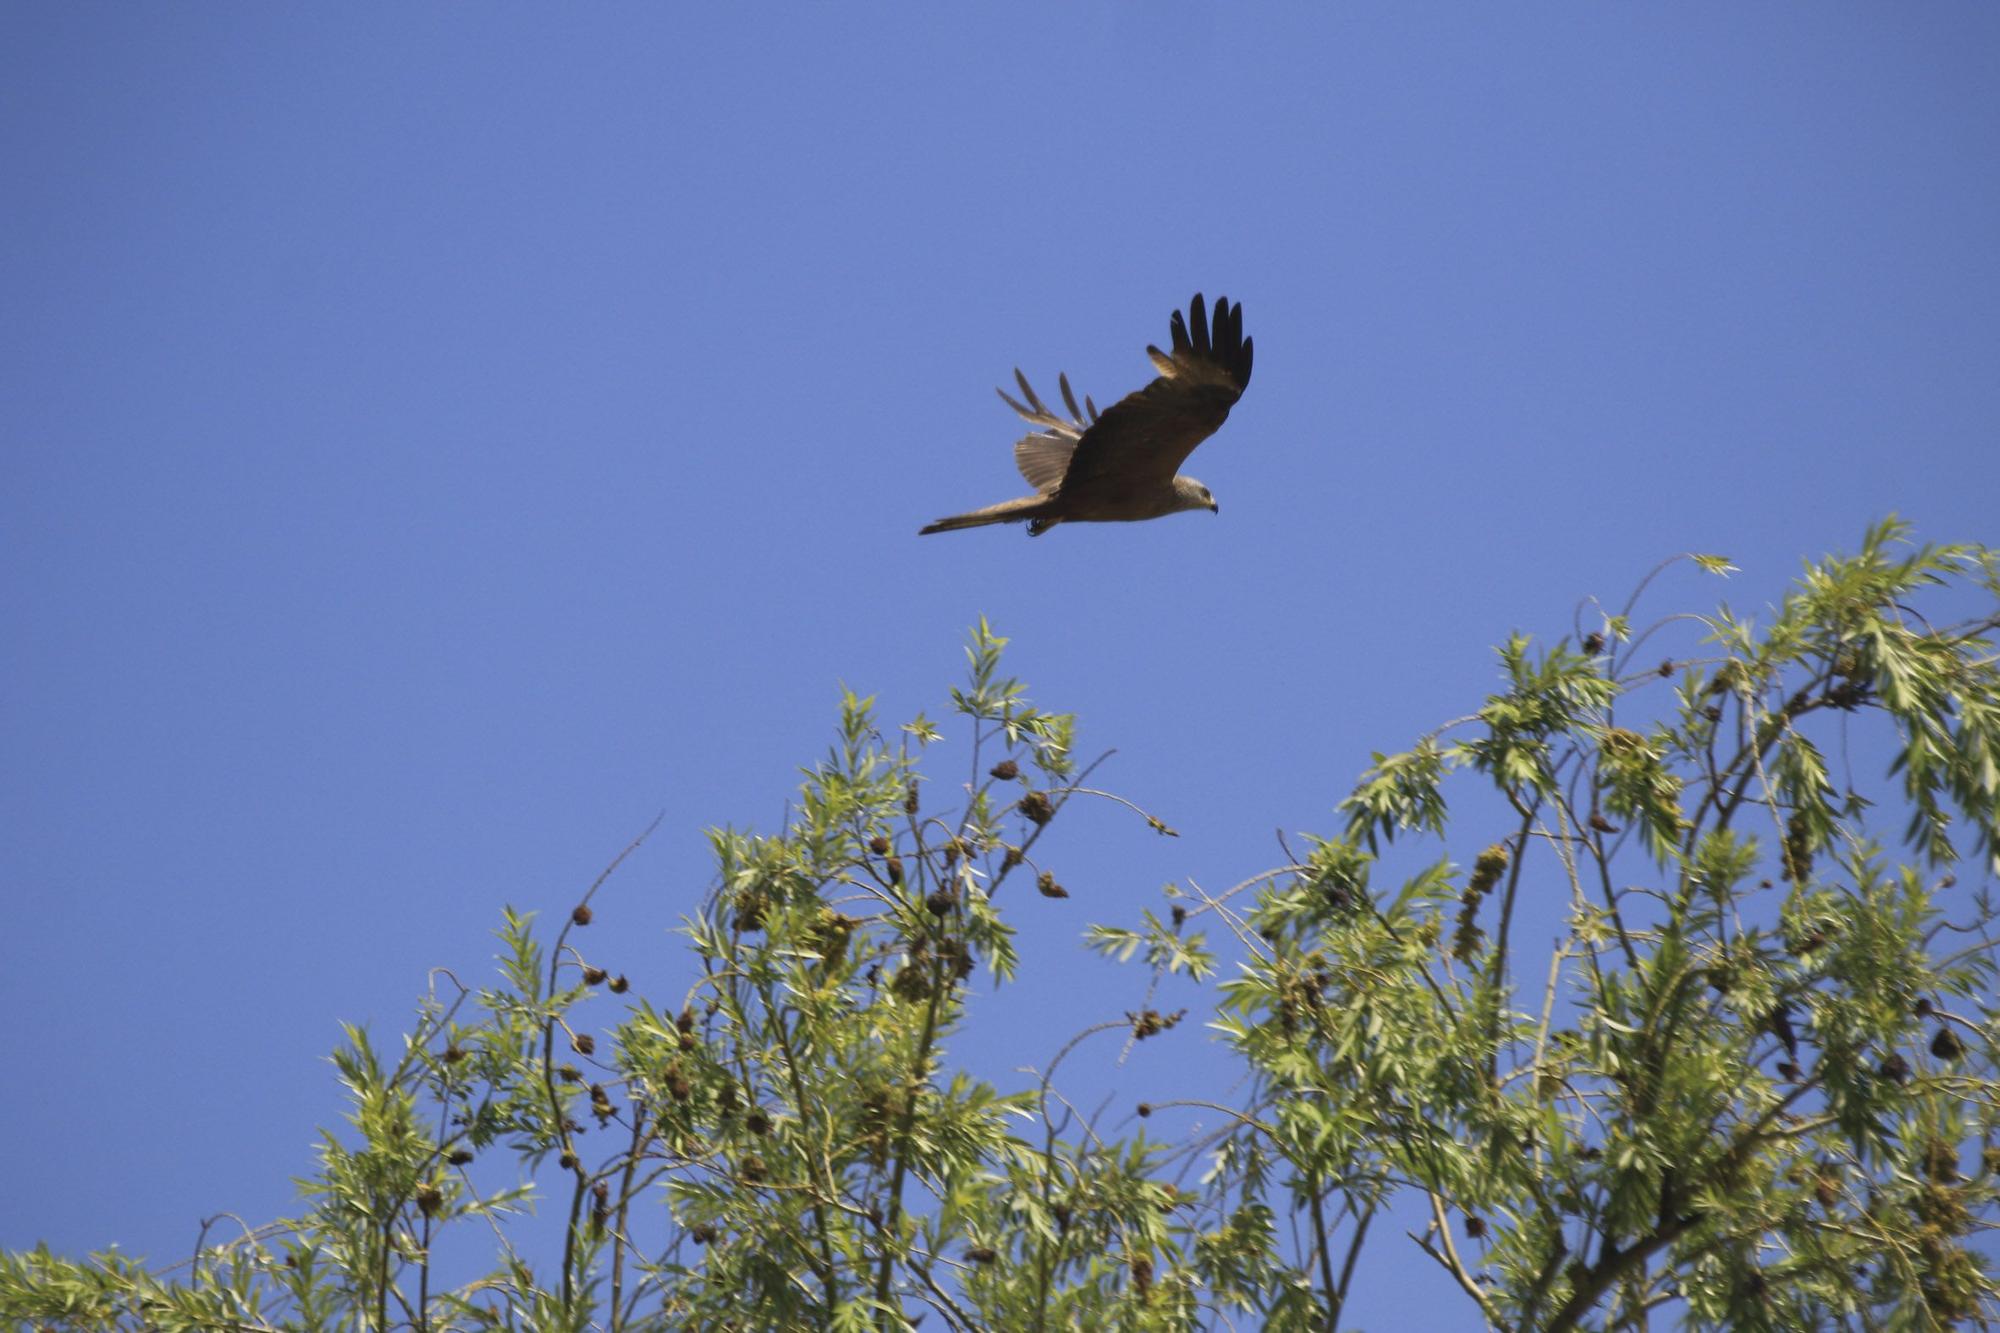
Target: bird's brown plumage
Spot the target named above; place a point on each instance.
(1122, 465)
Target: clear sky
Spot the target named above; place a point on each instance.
(436, 439)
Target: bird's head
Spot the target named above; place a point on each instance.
(1191, 494)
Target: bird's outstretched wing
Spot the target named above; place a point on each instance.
(1142, 439)
(1043, 457)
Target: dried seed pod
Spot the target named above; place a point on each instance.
(1005, 771)
(1046, 885)
(1487, 868)
(580, 914)
(879, 845)
(1781, 1024)
(593, 975)
(1036, 808)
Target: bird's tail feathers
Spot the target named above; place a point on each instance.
(1007, 511)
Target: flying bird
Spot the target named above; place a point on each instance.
(1124, 464)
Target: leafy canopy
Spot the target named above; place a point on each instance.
(1742, 1077)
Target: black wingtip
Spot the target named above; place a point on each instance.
(1218, 339)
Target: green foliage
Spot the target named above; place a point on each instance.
(1743, 1084)
(1750, 1083)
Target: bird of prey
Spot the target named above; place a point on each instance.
(1124, 464)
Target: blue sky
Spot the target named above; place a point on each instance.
(438, 439)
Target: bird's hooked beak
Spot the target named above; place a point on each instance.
(1214, 507)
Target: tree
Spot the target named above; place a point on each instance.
(1751, 1085)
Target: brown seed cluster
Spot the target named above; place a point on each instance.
(1487, 868)
(1151, 1022)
